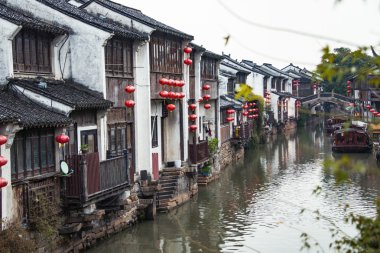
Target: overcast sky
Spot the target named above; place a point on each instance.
(354, 21)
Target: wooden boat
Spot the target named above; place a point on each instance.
(331, 122)
(351, 140)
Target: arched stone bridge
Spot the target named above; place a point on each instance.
(329, 97)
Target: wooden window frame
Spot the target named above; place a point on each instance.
(45, 138)
(231, 86)
(32, 52)
(208, 69)
(120, 143)
(119, 58)
(166, 55)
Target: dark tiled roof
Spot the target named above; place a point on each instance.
(197, 47)
(255, 67)
(139, 16)
(282, 73)
(14, 106)
(7, 116)
(104, 24)
(229, 101)
(21, 17)
(238, 68)
(69, 93)
(229, 59)
(210, 54)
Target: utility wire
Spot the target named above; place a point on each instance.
(282, 29)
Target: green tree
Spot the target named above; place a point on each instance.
(341, 64)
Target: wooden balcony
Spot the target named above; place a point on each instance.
(242, 131)
(225, 133)
(93, 181)
(198, 152)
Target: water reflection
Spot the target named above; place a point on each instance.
(255, 206)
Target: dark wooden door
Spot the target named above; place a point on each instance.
(89, 137)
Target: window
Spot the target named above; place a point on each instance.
(208, 69)
(223, 116)
(119, 58)
(165, 54)
(33, 153)
(154, 131)
(241, 78)
(117, 139)
(31, 52)
(231, 86)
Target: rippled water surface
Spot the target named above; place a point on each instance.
(255, 206)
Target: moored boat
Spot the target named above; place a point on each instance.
(351, 140)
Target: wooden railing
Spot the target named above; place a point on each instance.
(241, 131)
(225, 133)
(92, 180)
(199, 152)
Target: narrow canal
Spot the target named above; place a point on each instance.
(255, 206)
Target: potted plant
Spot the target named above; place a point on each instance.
(84, 148)
(206, 171)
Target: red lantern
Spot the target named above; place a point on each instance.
(187, 50)
(253, 104)
(348, 82)
(170, 107)
(206, 87)
(3, 139)
(164, 81)
(3, 182)
(207, 106)
(245, 113)
(348, 91)
(348, 87)
(193, 117)
(230, 111)
(171, 95)
(245, 106)
(250, 116)
(372, 110)
(129, 88)
(163, 94)
(62, 138)
(230, 119)
(182, 95)
(378, 114)
(250, 104)
(129, 103)
(177, 83)
(200, 100)
(206, 97)
(255, 115)
(188, 61)
(368, 107)
(192, 107)
(171, 82)
(3, 161)
(181, 83)
(251, 110)
(193, 128)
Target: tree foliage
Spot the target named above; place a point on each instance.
(342, 64)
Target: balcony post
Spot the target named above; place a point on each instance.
(125, 154)
(83, 171)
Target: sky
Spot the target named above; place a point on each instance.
(350, 23)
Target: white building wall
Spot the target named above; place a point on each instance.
(258, 84)
(7, 31)
(84, 49)
(143, 109)
(292, 107)
(200, 111)
(273, 103)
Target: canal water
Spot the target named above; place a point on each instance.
(256, 206)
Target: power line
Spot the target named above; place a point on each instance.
(282, 29)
